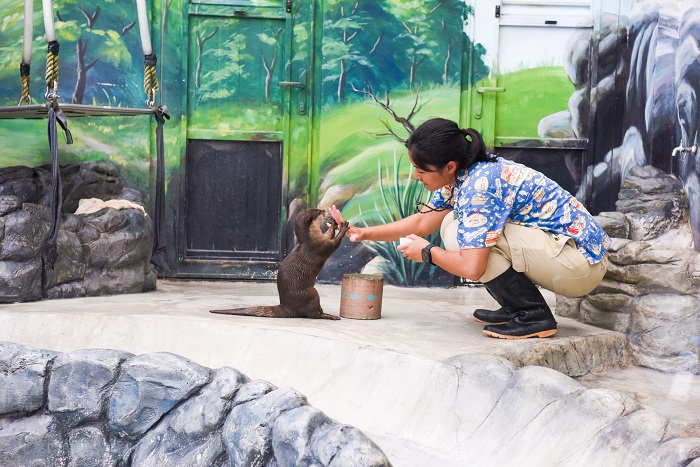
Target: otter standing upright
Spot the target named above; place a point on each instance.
(298, 271)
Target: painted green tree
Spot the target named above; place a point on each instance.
(342, 49)
(100, 59)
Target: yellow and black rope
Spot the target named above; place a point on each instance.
(24, 74)
(52, 71)
(150, 80)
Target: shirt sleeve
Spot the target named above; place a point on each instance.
(483, 213)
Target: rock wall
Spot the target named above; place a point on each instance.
(651, 291)
(106, 252)
(113, 408)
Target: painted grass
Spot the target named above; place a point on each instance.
(350, 155)
(531, 94)
(346, 129)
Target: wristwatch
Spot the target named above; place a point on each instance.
(425, 254)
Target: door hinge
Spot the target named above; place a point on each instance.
(498, 11)
(289, 6)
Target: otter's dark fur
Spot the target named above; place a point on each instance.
(298, 271)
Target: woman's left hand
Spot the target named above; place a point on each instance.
(412, 250)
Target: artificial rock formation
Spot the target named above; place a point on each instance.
(112, 408)
(105, 252)
(651, 291)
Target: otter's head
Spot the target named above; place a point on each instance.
(312, 222)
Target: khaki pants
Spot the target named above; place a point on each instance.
(550, 261)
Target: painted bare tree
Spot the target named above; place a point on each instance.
(201, 40)
(272, 40)
(386, 105)
(81, 50)
(79, 92)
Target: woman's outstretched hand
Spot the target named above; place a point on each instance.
(355, 234)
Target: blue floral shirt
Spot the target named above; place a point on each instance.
(489, 194)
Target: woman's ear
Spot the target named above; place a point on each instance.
(451, 167)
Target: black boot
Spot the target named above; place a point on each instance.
(532, 316)
(500, 316)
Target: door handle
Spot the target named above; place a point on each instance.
(301, 86)
(291, 84)
(481, 90)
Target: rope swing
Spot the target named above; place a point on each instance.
(57, 113)
(150, 87)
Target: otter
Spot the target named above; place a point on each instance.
(298, 271)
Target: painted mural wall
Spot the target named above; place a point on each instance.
(580, 91)
(100, 63)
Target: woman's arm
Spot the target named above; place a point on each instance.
(468, 263)
(420, 224)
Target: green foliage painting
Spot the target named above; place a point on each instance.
(359, 76)
(387, 66)
(237, 65)
(100, 62)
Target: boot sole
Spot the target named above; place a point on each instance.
(551, 332)
(489, 322)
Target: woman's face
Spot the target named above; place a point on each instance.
(436, 178)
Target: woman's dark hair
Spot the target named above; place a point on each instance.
(438, 141)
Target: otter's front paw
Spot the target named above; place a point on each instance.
(344, 226)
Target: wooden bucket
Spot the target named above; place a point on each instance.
(361, 296)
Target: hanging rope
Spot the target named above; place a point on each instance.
(55, 115)
(52, 71)
(158, 255)
(50, 253)
(24, 74)
(150, 80)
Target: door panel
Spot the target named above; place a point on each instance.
(222, 177)
(233, 193)
(237, 57)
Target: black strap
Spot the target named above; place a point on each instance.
(51, 249)
(50, 253)
(150, 60)
(53, 47)
(158, 256)
(24, 69)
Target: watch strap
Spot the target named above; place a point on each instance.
(427, 256)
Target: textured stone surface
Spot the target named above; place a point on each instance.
(292, 433)
(148, 387)
(247, 432)
(653, 202)
(80, 383)
(34, 441)
(651, 291)
(164, 410)
(23, 371)
(107, 252)
(20, 281)
(575, 356)
(190, 434)
(88, 447)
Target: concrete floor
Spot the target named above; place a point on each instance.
(383, 376)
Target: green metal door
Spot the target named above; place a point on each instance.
(246, 96)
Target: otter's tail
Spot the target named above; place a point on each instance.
(264, 311)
